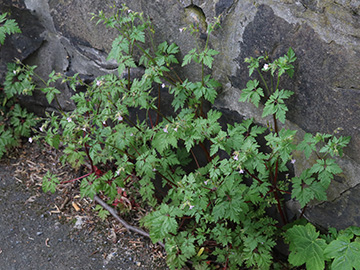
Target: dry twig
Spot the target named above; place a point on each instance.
(129, 228)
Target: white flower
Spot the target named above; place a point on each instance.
(30, 140)
(14, 71)
(41, 129)
(191, 207)
(241, 171)
(163, 85)
(236, 157)
(98, 82)
(175, 129)
(165, 130)
(154, 170)
(69, 119)
(206, 182)
(266, 67)
(293, 161)
(120, 117)
(181, 29)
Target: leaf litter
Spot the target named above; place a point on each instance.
(34, 160)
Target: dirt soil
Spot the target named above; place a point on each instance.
(61, 231)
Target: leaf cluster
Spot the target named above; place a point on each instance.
(217, 183)
(15, 122)
(7, 27)
(340, 250)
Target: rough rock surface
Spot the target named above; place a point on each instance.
(20, 46)
(325, 35)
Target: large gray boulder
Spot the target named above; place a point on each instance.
(325, 36)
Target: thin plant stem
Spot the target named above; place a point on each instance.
(79, 178)
(264, 82)
(196, 161)
(171, 183)
(159, 105)
(277, 83)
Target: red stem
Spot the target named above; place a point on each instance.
(276, 171)
(151, 123)
(275, 124)
(275, 191)
(282, 215)
(227, 262)
(197, 163)
(73, 180)
(253, 176)
(88, 155)
(171, 183)
(205, 151)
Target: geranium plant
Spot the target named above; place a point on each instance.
(210, 187)
(15, 122)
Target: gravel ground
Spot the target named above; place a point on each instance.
(44, 231)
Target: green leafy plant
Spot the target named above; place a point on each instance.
(50, 182)
(103, 214)
(210, 187)
(7, 27)
(341, 249)
(15, 122)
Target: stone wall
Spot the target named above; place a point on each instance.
(325, 35)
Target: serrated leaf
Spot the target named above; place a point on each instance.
(326, 169)
(253, 63)
(190, 55)
(9, 27)
(252, 93)
(305, 188)
(50, 182)
(291, 55)
(305, 247)
(172, 49)
(308, 145)
(137, 34)
(50, 93)
(276, 104)
(162, 222)
(346, 254)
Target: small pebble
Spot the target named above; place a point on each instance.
(57, 226)
(39, 233)
(138, 263)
